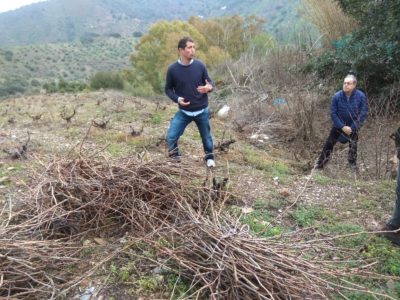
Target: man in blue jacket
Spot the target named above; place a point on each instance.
(187, 84)
(348, 112)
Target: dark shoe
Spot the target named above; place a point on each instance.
(391, 233)
(318, 166)
(353, 167)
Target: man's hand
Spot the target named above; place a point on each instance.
(203, 89)
(347, 130)
(182, 101)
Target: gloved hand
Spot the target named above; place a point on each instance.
(396, 137)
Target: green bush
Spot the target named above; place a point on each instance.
(88, 37)
(371, 51)
(13, 86)
(63, 86)
(107, 80)
(35, 82)
(8, 55)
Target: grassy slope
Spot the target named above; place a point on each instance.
(263, 178)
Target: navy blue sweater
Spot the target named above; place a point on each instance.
(183, 80)
(349, 112)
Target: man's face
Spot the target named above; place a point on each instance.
(348, 85)
(189, 51)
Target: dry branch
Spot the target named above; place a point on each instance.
(161, 204)
(19, 151)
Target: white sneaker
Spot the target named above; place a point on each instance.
(210, 163)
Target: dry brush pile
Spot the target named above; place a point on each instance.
(173, 209)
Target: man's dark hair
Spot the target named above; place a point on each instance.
(182, 42)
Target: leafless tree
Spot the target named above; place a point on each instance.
(101, 123)
(65, 116)
(19, 151)
(135, 132)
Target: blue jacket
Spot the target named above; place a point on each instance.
(349, 112)
(183, 80)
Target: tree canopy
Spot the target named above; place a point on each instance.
(372, 49)
(216, 40)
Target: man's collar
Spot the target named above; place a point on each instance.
(181, 63)
(352, 92)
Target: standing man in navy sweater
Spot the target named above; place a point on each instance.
(348, 112)
(188, 83)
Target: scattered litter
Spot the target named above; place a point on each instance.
(87, 294)
(223, 112)
(278, 101)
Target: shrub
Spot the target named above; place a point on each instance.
(64, 86)
(371, 50)
(35, 82)
(8, 55)
(13, 86)
(329, 18)
(114, 35)
(88, 37)
(107, 80)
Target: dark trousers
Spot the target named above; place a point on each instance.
(395, 220)
(332, 140)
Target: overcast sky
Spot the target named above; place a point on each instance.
(6, 5)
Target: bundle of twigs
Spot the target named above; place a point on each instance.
(224, 261)
(33, 269)
(86, 194)
(156, 201)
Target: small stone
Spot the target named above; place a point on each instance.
(87, 243)
(284, 192)
(99, 241)
(247, 210)
(4, 179)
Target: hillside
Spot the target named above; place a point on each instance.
(27, 68)
(325, 216)
(58, 21)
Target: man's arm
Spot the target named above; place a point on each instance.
(169, 87)
(362, 115)
(208, 81)
(337, 122)
(208, 84)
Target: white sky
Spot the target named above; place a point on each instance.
(6, 5)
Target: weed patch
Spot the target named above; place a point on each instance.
(307, 216)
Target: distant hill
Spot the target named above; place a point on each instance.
(56, 21)
(27, 68)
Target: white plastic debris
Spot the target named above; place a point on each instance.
(223, 112)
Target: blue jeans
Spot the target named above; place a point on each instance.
(395, 220)
(178, 125)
